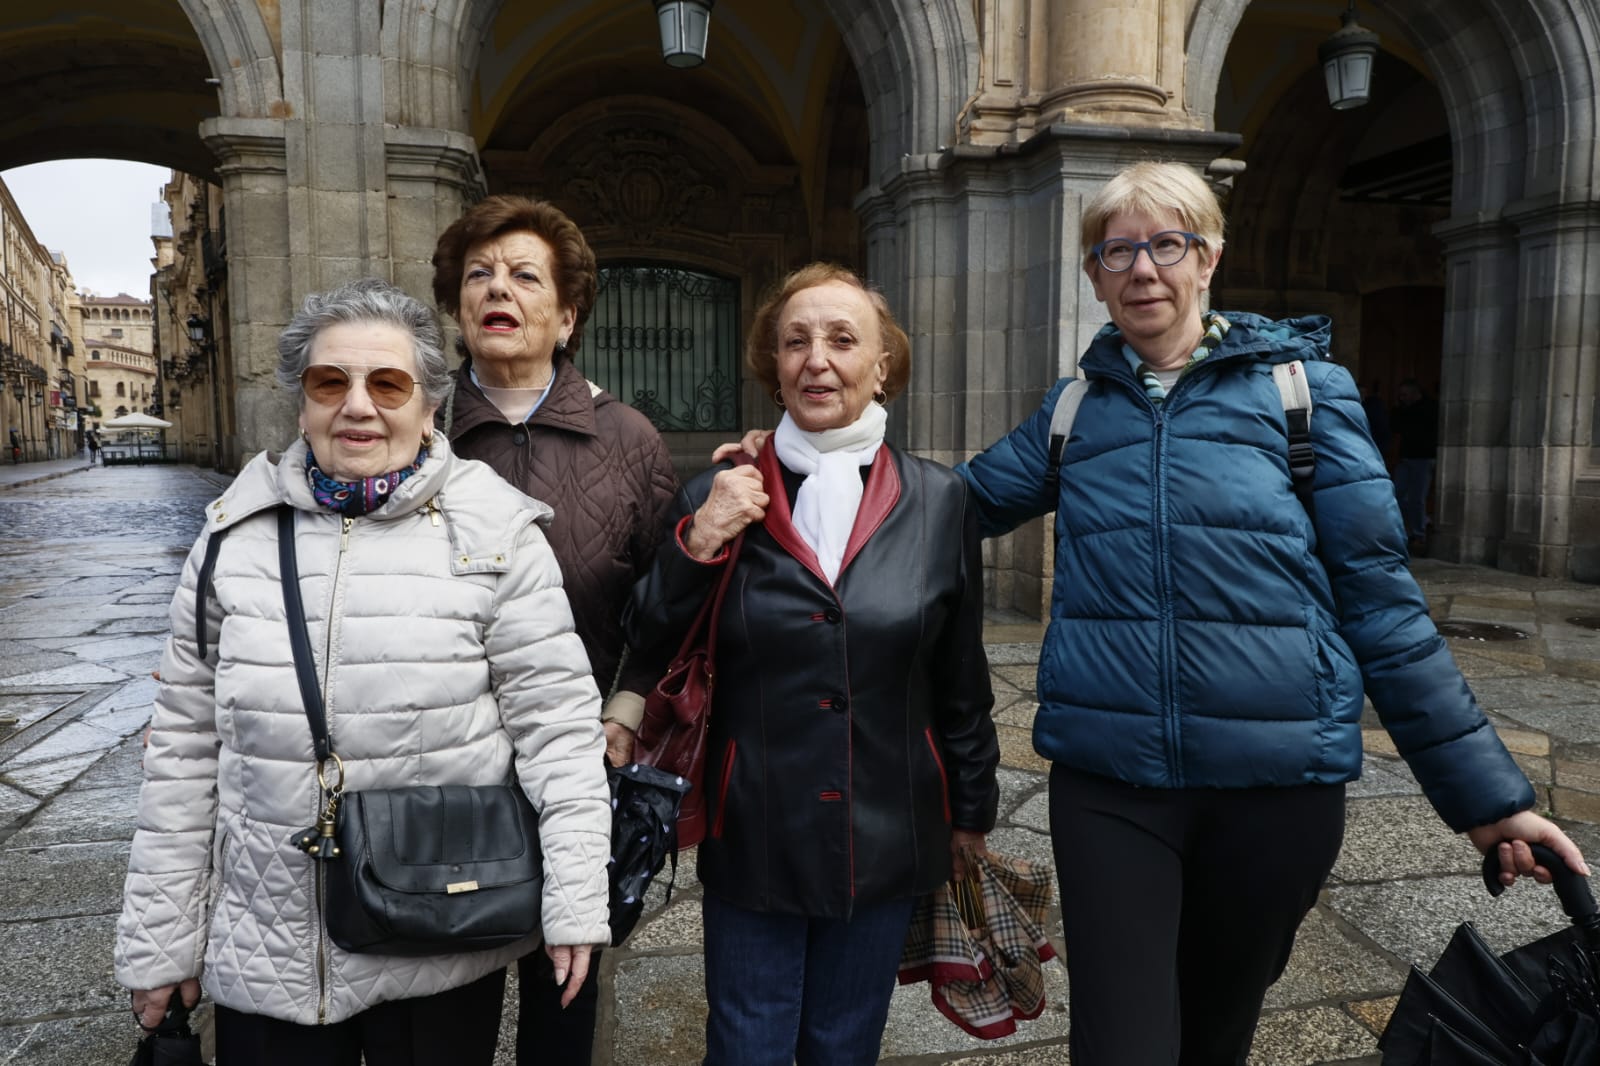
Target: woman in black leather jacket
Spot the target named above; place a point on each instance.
(852, 754)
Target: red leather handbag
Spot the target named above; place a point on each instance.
(677, 712)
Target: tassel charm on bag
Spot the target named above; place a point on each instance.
(320, 841)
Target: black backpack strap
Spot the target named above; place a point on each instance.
(202, 588)
(1061, 420)
(1295, 394)
(305, 668)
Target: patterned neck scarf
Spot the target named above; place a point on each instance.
(356, 498)
(1216, 328)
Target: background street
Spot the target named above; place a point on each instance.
(89, 559)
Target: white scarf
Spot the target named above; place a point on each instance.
(826, 505)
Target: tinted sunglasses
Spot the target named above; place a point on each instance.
(327, 383)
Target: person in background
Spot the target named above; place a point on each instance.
(851, 755)
(94, 447)
(1416, 425)
(447, 656)
(1377, 413)
(519, 278)
(1210, 639)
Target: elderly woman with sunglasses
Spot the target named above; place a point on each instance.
(1211, 636)
(446, 654)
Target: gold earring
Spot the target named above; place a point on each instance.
(777, 397)
(880, 397)
(427, 439)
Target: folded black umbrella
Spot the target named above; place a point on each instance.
(644, 835)
(1538, 1005)
(170, 1043)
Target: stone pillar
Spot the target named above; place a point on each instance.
(1552, 407)
(1105, 59)
(978, 252)
(327, 193)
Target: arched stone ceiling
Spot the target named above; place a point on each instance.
(118, 79)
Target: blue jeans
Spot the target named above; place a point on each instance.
(1413, 478)
(785, 989)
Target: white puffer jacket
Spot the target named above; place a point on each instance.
(446, 651)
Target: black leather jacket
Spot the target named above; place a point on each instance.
(851, 724)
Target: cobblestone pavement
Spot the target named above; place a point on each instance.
(89, 560)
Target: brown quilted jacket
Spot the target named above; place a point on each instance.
(603, 469)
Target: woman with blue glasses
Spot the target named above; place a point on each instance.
(1212, 633)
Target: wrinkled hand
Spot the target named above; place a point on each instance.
(150, 1005)
(619, 743)
(964, 840)
(571, 963)
(736, 500)
(751, 444)
(1513, 835)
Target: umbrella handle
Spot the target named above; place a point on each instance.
(1572, 888)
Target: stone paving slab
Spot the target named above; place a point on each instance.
(1331, 965)
(82, 815)
(59, 966)
(31, 879)
(1394, 837)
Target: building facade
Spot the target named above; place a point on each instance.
(38, 352)
(119, 358)
(1451, 226)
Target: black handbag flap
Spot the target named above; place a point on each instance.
(442, 838)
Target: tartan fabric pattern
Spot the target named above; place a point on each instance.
(987, 977)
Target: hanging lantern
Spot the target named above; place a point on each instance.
(685, 25)
(1347, 59)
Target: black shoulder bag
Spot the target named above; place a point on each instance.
(425, 870)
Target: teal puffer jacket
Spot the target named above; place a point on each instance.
(1205, 631)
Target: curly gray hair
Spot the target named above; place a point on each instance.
(366, 300)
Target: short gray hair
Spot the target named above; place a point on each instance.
(363, 301)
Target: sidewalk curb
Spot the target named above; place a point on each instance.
(44, 477)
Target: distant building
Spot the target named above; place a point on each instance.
(120, 363)
(37, 349)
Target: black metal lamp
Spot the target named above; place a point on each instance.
(1347, 59)
(685, 25)
(199, 326)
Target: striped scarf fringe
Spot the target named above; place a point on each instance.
(1216, 328)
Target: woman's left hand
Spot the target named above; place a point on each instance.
(571, 964)
(1513, 835)
(965, 840)
(619, 743)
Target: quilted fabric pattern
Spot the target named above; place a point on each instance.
(603, 469)
(447, 656)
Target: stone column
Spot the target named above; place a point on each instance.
(1105, 58)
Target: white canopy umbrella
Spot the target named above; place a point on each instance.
(136, 420)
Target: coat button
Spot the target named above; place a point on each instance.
(519, 438)
(831, 616)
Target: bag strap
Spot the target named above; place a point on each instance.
(1061, 425)
(202, 587)
(299, 638)
(1295, 393)
(710, 613)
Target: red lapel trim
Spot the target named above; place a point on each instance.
(878, 497)
(780, 521)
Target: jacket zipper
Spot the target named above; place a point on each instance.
(346, 524)
(1169, 705)
(944, 780)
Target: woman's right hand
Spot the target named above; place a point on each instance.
(150, 1004)
(737, 499)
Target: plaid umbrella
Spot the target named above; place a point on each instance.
(980, 945)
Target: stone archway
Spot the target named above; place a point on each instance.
(1519, 482)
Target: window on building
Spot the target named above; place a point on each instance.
(121, 410)
(120, 392)
(116, 331)
(665, 340)
(94, 353)
(94, 388)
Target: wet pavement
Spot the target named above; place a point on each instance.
(89, 559)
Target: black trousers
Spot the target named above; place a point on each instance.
(547, 1033)
(459, 1027)
(1180, 909)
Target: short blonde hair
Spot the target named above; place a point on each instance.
(1151, 188)
(761, 347)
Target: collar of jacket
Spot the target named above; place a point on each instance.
(274, 478)
(570, 405)
(1250, 336)
(878, 497)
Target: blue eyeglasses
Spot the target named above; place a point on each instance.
(1166, 248)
